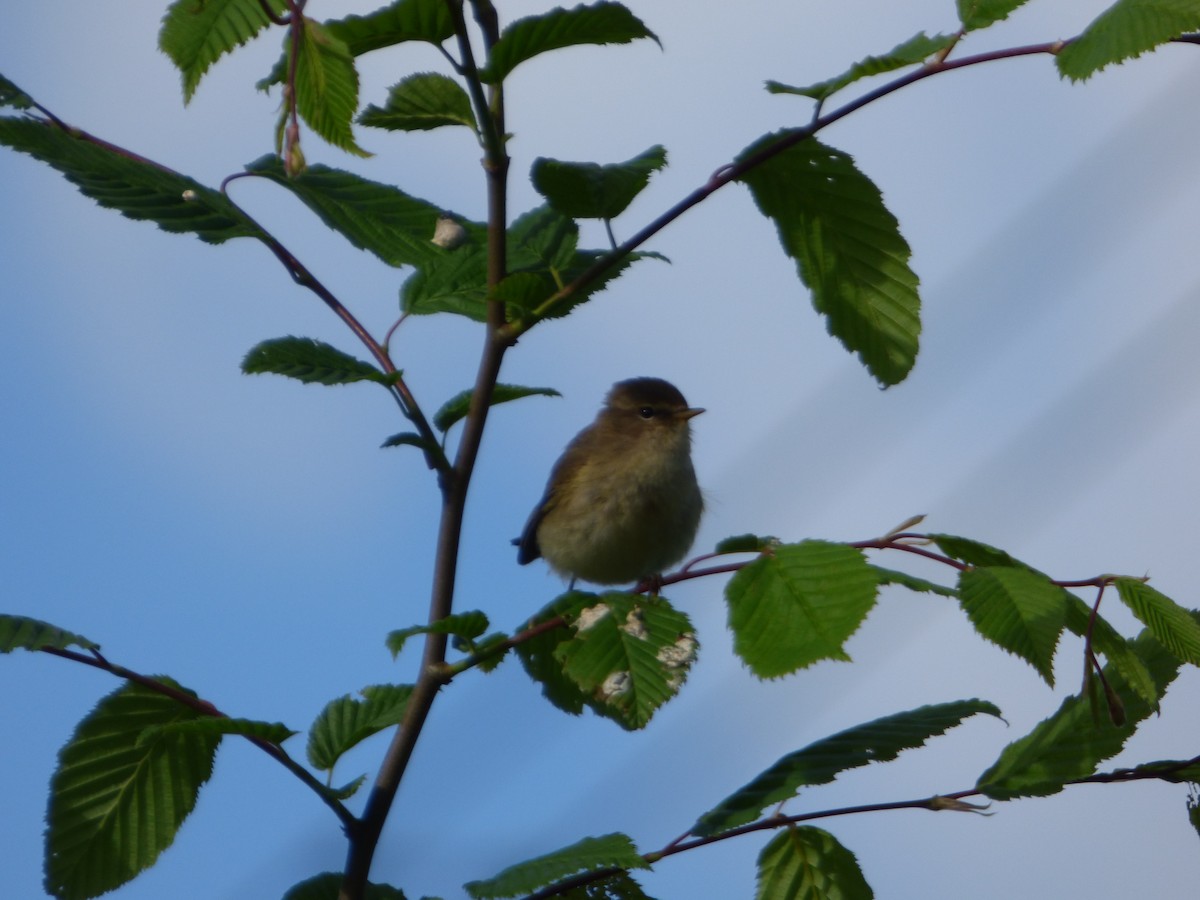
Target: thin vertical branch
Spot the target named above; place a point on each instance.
(364, 838)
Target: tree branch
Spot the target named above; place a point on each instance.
(734, 171)
(454, 482)
(953, 802)
(431, 446)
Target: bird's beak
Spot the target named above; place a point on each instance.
(691, 413)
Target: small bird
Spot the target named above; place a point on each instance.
(622, 503)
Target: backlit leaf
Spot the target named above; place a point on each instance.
(913, 51)
(117, 801)
(347, 721)
(539, 654)
(428, 21)
(819, 763)
(912, 582)
(24, 633)
(1173, 626)
(832, 221)
(806, 863)
(1125, 30)
(746, 543)
(327, 86)
(798, 604)
(1071, 743)
(628, 655)
(1019, 610)
(975, 553)
(422, 102)
(196, 34)
(1115, 649)
(398, 22)
(598, 23)
(606, 852)
(976, 14)
(465, 625)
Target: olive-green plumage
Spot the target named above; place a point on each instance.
(622, 502)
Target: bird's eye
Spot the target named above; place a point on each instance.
(646, 412)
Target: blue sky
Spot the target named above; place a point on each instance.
(246, 536)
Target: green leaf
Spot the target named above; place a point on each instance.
(539, 654)
(975, 553)
(456, 407)
(580, 263)
(543, 257)
(467, 625)
(819, 763)
(1170, 623)
(24, 633)
(746, 543)
(196, 33)
(485, 649)
(526, 291)
(599, 23)
(1125, 30)
(800, 604)
(273, 732)
(135, 187)
(406, 438)
(346, 791)
(620, 886)
(585, 190)
(542, 239)
(422, 102)
(1018, 610)
(611, 851)
(372, 216)
(428, 21)
(327, 86)
(310, 361)
(977, 14)
(116, 801)
(1106, 641)
(628, 655)
(806, 863)
(346, 721)
(396, 23)
(848, 249)
(915, 50)
(327, 885)
(1071, 743)
(912, 582)
(11, 95)
(454, 282)
(1173, 771)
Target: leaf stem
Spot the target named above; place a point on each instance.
(271, 14)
